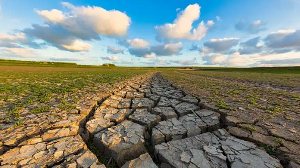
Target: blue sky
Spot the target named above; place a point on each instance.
(237, 33)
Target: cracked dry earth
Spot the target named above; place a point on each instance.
(145, 122)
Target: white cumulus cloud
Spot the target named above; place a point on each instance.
(54, 15)
(72, 28)
(77, 46)
(137, 43)
(182, 28)
(86, 18)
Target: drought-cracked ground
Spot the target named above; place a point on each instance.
(144, 122)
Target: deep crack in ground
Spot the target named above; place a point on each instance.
(151, 116)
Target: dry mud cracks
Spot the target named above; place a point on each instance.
(145, 122)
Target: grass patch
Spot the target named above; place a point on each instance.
(30, 86)
(275, 110)
(40, 110)
(252, 101)
(278, 140)
(272, 150)
(223, 105)
(19, 123)
(248, 127)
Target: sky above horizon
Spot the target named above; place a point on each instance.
(235, 33)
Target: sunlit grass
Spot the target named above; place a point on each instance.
(39, 89)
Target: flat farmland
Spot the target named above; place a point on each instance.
(283, 79)
(260, 107)
(41, 89)
(269, 92)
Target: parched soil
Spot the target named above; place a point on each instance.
(269, 117)
(54, 138)
(280, 81)
(149, 122)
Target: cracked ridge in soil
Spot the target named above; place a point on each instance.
(61, 143)
(161, 87)
(149, 83)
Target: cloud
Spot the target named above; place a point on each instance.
(280, 50)
(156, 61)
(234, 60)
(194, 47)
(136, 43)
(218, 18)
(130, 62)
(293, 61)
(283, 39)
(252, 28)
(139, 52)
(69, 30)
(251, 46)
(86, 22)
(111, 58)
(62, 59)
(219, 45)
(252, 42)
(16, 36)
(253, 60)
(210, 23)
(17, 40)
(77, 46)
(57, 36)
(152, 55)
(182, 28)
(20, 51)
(53, 16)
(168, 49)
(213, 60)
(11, 41)
(114, 50)
(24, 53)
(185, 62)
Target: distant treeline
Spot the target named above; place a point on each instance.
(4, 62)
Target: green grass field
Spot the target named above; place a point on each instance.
(279, 70)
(38, 88)
(223, 90)
(281, 79)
